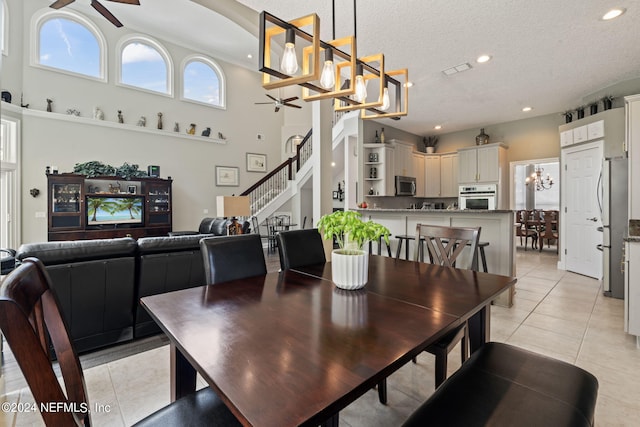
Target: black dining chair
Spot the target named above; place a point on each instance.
(444, 247)
(30, 313)
(232, 257)
(298, 248)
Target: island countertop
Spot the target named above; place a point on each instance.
(445, 211)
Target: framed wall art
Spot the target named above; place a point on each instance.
(256, 162)
(227, 176)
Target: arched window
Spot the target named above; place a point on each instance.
(66, 41)
(145, 64)
(203, 81)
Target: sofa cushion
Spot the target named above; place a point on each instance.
(150, 245)
(51, 253)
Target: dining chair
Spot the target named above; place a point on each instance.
(298, 248)
(444, 247)
(255, 225)
(232, 257)
(524, 230)
(30, 315)
(549, 229)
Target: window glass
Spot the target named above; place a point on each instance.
(202, 83)
(69, 45)
(144, 67)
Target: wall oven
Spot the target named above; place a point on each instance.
(482, 196)
(405, 186)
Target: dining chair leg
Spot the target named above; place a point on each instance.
(334, 421)
(382, 391)
(441, 368)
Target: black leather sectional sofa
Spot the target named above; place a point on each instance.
(99, 282)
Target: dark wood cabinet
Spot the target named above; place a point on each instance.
(107, 207)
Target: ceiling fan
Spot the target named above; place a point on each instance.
(99, 7)
(279, 102)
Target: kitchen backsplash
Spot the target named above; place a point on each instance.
(634, 227)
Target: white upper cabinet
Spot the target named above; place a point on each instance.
(480, 164)
(449, 175)
(418, 169)
(403, 158)
(432, 176)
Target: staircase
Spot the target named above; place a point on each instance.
(276, 182)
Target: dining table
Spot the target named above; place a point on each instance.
(290, 348)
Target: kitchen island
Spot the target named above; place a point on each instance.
(496, 229)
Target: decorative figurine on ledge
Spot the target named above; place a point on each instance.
(159, 120)
(22, 104)
(192, 129)
(73, 112)
(98, 114)
(482, 138)
(6, 96)
(120, 118)
(49, 102)
(221, 136)
(176, 127)
(206, 132)
(142, 122)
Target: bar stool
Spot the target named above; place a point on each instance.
(401, 238)
(380, 241)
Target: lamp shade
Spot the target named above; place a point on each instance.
(230, 206)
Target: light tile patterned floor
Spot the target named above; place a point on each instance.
(556, 313)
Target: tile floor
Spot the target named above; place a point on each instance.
(557, 313)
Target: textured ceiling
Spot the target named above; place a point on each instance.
(547, 54)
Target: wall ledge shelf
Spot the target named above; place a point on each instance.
(113, 125)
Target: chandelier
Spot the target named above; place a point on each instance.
(540, 182)
(342, 75)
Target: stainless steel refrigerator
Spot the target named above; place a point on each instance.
(613, 202)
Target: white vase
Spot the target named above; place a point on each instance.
(350, 269)
(430, 149)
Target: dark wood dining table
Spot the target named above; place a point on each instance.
(290, 348)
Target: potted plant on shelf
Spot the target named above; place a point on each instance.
(430, 143)
(350, 262)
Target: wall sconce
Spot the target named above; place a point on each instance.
(34, 192)
(292, 31)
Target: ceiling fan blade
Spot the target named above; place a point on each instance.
(270, 103)
(277, 109)
(135, 2)
(104, 12)
(293, 98)
(292, 105)
(60, 3)
(271, 97)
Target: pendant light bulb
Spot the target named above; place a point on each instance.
(289, 63)
(328, 76)
(385, 100)
(361, 87)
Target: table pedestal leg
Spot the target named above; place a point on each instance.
(183, 375)
(478, 325)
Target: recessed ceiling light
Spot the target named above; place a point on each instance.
(482, 59)
(527, 109)
(437, 127)
(613, 13)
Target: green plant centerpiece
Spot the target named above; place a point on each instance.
(350, 263)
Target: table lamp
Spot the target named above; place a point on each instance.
(232, 207)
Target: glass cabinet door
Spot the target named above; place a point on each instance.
(66, 198)
(159, 198)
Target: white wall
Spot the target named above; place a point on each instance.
(191, 163)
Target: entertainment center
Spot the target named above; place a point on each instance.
(107, 207)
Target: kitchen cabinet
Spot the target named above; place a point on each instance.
(449, 175)
(632, 288)
(632, 107)
(378, 170)
(403, 158)
(432, 176)
(482, 164)
(607, 125)
(419, 169)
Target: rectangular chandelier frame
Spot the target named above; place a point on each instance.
(402, 107)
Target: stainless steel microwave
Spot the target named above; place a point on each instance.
(405, 186)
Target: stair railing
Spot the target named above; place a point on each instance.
(275, 182)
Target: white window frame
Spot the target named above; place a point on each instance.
(10, 171)
(221, 79)
(5, 28)
(44, 15)
(141, 38)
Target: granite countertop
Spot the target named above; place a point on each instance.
(632, 239)
(447, 211)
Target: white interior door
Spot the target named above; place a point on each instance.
(582, 215)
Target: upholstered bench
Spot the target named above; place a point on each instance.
(502, 385)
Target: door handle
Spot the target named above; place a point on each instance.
(594, 219)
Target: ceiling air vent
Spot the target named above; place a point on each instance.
(457, 69)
